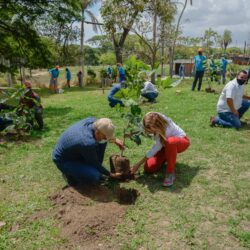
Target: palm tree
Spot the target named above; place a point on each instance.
(226, 39)
(85, 5)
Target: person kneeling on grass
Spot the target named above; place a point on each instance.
(149, 91)
(80, 150)
(232, 103)
(170, 140)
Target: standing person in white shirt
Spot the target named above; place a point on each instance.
(232, 103)
(149, 91)
(170, 139)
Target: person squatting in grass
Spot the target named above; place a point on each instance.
(149, 91)
(232, 103)
(170, 140)
(79, 152)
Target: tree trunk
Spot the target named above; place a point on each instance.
(118, 53)
(9, 79)
(81, 83)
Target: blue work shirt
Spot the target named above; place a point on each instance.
(198, 60)
(78, 143)
(54, 73)
(224, 64)
(68, 75)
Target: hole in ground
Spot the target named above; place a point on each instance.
(126, 196)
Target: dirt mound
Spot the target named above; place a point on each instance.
(88, 215)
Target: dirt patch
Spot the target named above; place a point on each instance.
(87, 216)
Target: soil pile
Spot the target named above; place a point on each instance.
(88, 215)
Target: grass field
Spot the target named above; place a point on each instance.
(207, 208)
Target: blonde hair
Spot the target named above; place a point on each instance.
(158, 123)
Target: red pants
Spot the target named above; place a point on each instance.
(167, 154)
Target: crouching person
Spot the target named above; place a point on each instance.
(79, 152)
(32, 100)
(149, 91)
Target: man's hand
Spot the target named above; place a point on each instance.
(135, 168)
(120, 144)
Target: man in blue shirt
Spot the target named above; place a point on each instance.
(79, 152)
(68, 77)
(113, 101)
(199, 61)
(223, 71)
(121, 73)
(53, 79)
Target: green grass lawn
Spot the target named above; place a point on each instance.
(207, 208)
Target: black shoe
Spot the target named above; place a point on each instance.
(70, 180)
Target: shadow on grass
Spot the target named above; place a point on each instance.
(184, 177)
(45, 93)
(55, 111)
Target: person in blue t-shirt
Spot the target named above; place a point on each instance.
(110, 72)
(223, 71)
(113, 101)
(54, 73)
(68, 77)
(121, 73)
(199, 61)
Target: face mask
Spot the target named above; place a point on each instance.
(102, 141)
(241, 82)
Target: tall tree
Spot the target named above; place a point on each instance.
(19, 36)
(157, 14)
(85, 5)
(119, 17)
(210, 37)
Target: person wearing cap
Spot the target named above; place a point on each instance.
(199, 61)
(232, 103)
(79, 152)
(54, 73)
(223, 71)
(169, 138)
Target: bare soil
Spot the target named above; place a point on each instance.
(87, 216)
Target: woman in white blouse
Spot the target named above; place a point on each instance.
(170, 140)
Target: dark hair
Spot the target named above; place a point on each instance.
(66, 69)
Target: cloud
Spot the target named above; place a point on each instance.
(218, 15)
(204, 14)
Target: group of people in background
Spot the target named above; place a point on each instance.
(79, 152)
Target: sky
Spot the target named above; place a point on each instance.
(219, 15)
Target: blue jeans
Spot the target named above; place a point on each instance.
(114, 101)
(82, 172)
(151, 96)
(229, 119)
